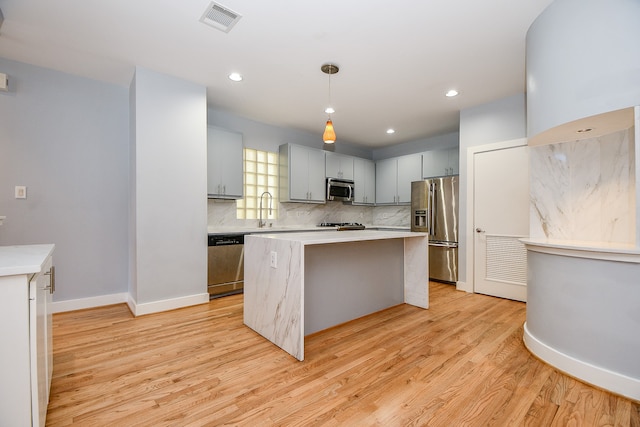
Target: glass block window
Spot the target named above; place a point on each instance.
(260, 175)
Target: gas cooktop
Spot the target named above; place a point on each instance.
(342, 225)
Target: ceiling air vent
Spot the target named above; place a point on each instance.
(220, 17)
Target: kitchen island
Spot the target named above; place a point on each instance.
(300, 283)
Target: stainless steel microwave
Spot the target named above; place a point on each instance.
(340, 189)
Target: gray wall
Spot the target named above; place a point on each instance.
(498, 121)
(438, 142)
(66, 139)
(262, 136)
(582, 60)
(575, 302)
(266, 137)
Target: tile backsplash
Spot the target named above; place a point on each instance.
(584, 190)
(222, 214)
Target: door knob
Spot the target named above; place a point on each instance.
(479, 230)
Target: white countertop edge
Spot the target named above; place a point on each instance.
(292, 229)
(333, 236)
(256, 230)
(584, 249)
(23, 259)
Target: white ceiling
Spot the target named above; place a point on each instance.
(396, 59)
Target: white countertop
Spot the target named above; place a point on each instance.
(24, 259)
(583, 245)
(333, 236)
(585, 249)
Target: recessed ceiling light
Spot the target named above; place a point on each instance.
(451, 93)
(236, 77)
(329, 110)
(390, 131)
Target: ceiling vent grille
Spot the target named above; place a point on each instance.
(220, 17)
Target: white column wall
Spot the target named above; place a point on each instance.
(168, 193)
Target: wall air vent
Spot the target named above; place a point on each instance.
(220, 17)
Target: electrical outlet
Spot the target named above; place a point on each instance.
(21, 192)
(274, 259)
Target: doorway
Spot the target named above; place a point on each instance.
(500, 219)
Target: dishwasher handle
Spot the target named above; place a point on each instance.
(226, 240)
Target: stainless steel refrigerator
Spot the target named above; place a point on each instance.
(434, 210)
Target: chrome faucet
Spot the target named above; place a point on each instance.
(262, 223)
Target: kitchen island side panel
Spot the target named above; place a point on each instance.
(273, 296)
(416, 271)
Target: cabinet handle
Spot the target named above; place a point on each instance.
(52, 279)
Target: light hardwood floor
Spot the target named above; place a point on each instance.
(462, 362)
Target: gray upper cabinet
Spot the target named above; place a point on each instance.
(364, 177)
(394, 177)
(440, 163)
(224, 164)
(302, 174)
(338, 166)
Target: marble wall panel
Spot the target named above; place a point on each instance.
(222, 214)
(584, 190)
(549, 192)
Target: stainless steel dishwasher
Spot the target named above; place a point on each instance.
(226, 264)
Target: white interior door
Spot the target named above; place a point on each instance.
(501, 218)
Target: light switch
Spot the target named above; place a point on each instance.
(21, 192)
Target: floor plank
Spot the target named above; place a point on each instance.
(461, 362)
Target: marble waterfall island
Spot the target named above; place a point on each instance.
(296, 284)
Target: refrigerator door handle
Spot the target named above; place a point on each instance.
(443, 245)
(432, 205)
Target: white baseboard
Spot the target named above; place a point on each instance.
(597, 376)
(82, 303)
(165, 305)
(462, 286)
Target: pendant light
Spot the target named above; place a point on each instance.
(329, 135)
